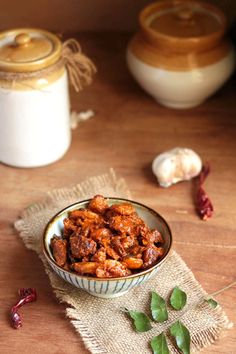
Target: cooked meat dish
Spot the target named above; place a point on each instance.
(106, 241)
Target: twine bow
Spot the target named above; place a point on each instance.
(80, 68)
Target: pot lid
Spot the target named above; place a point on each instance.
(26, 49)
(183, 21)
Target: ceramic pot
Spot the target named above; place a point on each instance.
(34, 99)
(180, 55)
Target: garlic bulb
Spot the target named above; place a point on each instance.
(179, 164)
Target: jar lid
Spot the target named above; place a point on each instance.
(28, 49)
(183, 24)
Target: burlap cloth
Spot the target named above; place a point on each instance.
(102, 324)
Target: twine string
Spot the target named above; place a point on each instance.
(79, 67)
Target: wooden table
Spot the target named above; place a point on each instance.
(128, 130)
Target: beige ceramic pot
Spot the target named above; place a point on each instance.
(180, 55)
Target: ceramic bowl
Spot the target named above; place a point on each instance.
(107, 287)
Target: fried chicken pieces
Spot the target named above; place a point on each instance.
(106, 242)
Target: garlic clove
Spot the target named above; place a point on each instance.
(178, 164)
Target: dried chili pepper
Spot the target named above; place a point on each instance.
(204, 205)
(27, 295)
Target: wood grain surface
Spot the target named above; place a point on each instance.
(128, 130)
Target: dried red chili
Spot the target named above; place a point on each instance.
(27, 295)
(203, 203)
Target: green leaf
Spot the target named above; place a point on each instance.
(182, 336)
(158, 308)
(141, 321)
(213, 303)
(178, 298)
(159, 344)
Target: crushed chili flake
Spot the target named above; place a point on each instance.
(203, 203)
(27, 295)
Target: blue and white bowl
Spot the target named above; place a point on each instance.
(107, 287)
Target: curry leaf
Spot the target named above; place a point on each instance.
(158, 308)
(178, 298)
(141, 321)
(213, 303)
(182, 336)
(159, 344)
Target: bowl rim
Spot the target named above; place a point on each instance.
(144, 272)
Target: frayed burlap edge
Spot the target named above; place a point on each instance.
(61, 289)
(80, 191)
